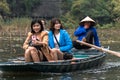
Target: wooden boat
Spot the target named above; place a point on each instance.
(84, 59)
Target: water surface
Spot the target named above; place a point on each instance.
(12, 47)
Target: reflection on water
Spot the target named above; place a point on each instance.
(94, 74)
(12, 47)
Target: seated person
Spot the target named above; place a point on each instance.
(36, 45)
(59, 38)
(87, 33)
(44, 24)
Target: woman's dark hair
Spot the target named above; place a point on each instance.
(36, 21)
(53, 22)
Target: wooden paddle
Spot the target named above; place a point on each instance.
(100, 48)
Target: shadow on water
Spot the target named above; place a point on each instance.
(104, 72)
(24, 76)
(12, 48)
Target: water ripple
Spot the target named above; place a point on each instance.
(104, 68)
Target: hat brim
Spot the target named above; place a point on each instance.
(87, 19)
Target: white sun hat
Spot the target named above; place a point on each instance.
(87, 19)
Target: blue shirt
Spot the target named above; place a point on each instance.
(64, 41)
(81, 32)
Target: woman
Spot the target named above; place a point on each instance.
(58, 37)
(44, 25)
(86, 32)
(35, 45)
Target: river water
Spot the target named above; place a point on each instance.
(12, 47)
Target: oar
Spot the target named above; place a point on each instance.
(100, 48)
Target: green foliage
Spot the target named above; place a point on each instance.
(21, 22)
(65, 6)
(4, 7)
(16, 22)
(69, 21)
(72, 11)
(110, 25)
(102, 11)
(22, 7)
(29, 4)
(117, 25)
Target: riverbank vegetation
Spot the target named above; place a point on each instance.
(105, 12)
(21, 26)
(16, 15)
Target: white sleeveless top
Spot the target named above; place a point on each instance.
(55, 42)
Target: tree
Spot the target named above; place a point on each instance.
(22, 7)
(103, 11)
(4, 8)
(116, 10)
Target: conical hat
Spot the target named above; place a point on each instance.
(87, 19)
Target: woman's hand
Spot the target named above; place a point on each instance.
(35, 42)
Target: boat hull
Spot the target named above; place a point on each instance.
(56, 67)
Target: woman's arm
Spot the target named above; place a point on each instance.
(26, 43)
(44, 39)
(66, 41)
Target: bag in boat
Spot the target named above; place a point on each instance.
(67, 56)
